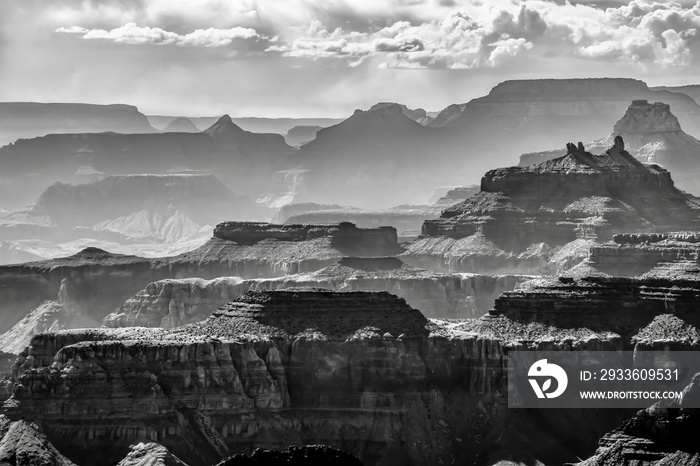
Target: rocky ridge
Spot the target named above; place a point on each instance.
(100, 281)
(653, 135)
(545, 217)
(171, 303)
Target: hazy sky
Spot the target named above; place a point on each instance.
(328, 57)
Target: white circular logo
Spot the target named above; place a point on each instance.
(540, 376)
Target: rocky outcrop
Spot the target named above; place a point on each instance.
(181, 125)
(538, 113)
(662, 435)
(150, 454)
(22, 444)
(171, 303)
(653, 135)
(101, 281)
(231, 136)
(419, 115)
(63, 312)
(300, 135)
(31, 119)
(545, 217)
(635, 254)
(308, 455)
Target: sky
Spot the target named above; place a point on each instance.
(326, 58)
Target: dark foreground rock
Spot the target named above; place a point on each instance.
(309, 455)
(359, 371)
(662, 435)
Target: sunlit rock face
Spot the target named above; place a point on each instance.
(100, 281)
(653, 135)
(171, 303)
(545, 217)
(359, 371)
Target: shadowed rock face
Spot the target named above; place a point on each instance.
(171, 303)
(359, 371)
(309, 455)
(525, 217)
(662, 435)
(101, 281)
(21, 444)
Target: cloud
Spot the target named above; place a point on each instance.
(130, 33)
(447, 34)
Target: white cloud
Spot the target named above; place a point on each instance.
(130, 33)
(450, 34)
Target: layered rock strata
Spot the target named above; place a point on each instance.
(171, 303)
(662, 435)
(359, 371)
(544, 217)
(653, 135)
(100, 281)
(22, 444)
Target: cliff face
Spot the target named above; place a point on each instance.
(652, 134)
(359, 371)
(21, 444)
(30, 119)
(542, 217)
(101, 281)
(171, 303)
(538, 113)
(660, 435)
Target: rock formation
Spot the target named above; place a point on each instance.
(230, 136)
(181, 125)
(538, 113)
(308, 455)
(150, 454)
(418, 115)
(31, 119)
(101, 281)
(300, 135)
(370, 158)
(359, 371)
(21, 444)
(31, 165)
(171, 303)
(653, 135)
(545, 217)
(661, 435)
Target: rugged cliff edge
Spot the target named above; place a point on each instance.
(171, 303)
(100, 281)
(653, 134)
(544, 217)
(662, 435)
